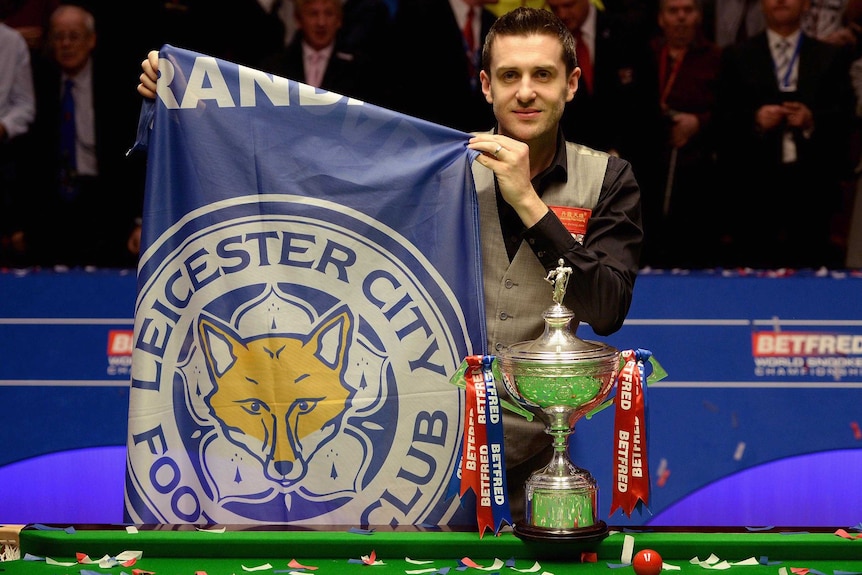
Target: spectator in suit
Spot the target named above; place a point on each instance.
(678, 231)
(85, 190)
(17, 109)
(611, 72)
(784, 117)
(445, 37)
(316, 58)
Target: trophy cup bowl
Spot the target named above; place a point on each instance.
(559, 378)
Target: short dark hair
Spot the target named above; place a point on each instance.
(525, 21)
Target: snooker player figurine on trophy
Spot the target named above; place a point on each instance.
(560, 378)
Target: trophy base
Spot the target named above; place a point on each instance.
(586, 537)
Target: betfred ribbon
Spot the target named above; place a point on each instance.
(482, 463)
(631, 470)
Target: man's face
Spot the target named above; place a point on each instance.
(71, 42)
(781, 13)
(528, 86)
(573, 13)
(679, 20)
(319, 21)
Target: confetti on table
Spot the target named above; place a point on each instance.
(128, 555)
(294, 564)
(711, 562)
(766, 528)
(213, 530)
(421, 571)
(418, 562)
(50, 561)
(263, 567)
(589, 557)
(628, 550)
(42, 527)
(495, 566)
(536, 567)
(359, 531)
(131, 529)
(846, 535)
(764, 560)
(142, 572)
(29, 557)
(367, 559)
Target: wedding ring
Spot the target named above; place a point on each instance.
(497, 151)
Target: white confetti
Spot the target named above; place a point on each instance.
(628, 550)
(532, 569)
(258, 568)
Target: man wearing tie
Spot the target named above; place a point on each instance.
(783, 109)
(315, 57)
(85, 191)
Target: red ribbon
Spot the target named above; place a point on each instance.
(631, 472)
(475, 459)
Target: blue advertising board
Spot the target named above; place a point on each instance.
(757, 423)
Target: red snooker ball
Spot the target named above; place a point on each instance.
(647, 562)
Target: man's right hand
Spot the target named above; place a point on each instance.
(150, 75)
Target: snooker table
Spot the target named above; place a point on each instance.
(232, 549)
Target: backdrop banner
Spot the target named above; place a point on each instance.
(310, 278)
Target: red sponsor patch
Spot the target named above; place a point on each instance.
(575, 219)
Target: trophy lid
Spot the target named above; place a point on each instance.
(558, 343)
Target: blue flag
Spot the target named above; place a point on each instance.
(309, 280)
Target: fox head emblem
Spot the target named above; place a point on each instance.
(280, 397)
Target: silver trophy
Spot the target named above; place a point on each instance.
(559, 378)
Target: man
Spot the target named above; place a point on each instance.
(314, 56)
(528, 75)
(783, 118)
(685, 66)
(84, 189)
(525, 174)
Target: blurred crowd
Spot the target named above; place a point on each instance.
(745, 158)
